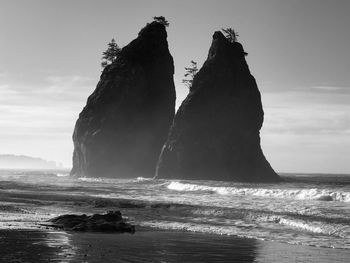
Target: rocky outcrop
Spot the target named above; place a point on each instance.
(125, 122)
(215, 133)
(112, 221)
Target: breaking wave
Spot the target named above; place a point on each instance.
(298, 194)
(317, 227)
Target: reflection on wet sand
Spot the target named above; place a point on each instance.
(62, 242)
(35, 246)
(162, 246)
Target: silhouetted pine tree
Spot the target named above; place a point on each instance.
(191, 71)
(230, 34)
(111, 54)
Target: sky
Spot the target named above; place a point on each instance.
(298, 51)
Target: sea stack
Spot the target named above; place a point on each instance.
(215, 133)
(122, 128)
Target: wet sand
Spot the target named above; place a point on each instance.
(152, 246)
(33, 246)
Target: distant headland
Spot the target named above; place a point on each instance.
(10, 161)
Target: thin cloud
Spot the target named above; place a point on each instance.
(53, 90)
(331, 89)
(325, 121)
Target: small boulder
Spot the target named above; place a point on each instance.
(112, 221)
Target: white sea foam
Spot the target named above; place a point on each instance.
(208, 212)
(298, 194)
(142, 179)
(62, 175)
(194, 227)
(90, 179)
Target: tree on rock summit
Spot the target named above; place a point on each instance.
(230, 34)
(161, 20)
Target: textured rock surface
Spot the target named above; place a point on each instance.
(215, 134)
(125, 122)
(112, 221)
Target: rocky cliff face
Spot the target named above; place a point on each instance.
(125, 122)
(215, 134)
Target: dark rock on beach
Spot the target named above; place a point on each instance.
(122, 128)
(215, 133)
(112, 221)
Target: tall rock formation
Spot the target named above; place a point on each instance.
(125, 122)
(215, 133)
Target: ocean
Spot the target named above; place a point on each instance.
(305, 209)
